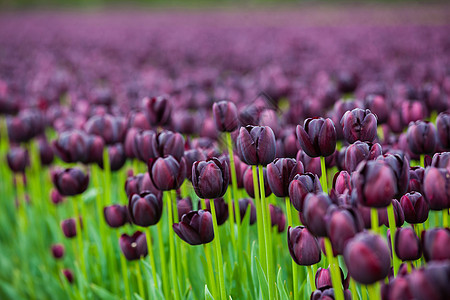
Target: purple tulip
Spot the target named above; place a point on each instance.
(210, 178)
(379, 106)
(71, 146)
(421, 137)
(311, 164)
(317, 137)
(69, 228)
(256, 145)
(56, 197)
(70, 182)
(315, 207)
(416, 175)
(170, 143)
(244, 205)
(342, 182)
(158, 110)
(18, 159)
(111, 129)
(191, 156)
(359, 125)
(145, 209)
(221, 209)
(133, 247)
(435, 244)
(184, 206)
(116, 215)
(280, 173)
(415, 208)
(400, 165)
(277, 217)
(45, 152)
(436, 186)
(407, 244)
(343, 225)
(248, 183)
(225, 116)
(431, 282)
(441, 160)
(57, 251)
(303, 246)
(302, 185)
(167, 173)
(140, 183)
(358, 152)
(195, 227)
(443, 129)
(68, 274)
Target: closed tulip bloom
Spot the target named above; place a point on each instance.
(69, 228)
(94, 150)
(139, 184)
(317, 137)
(210, 178)
(158, 110)
(68, 274)
(398, 214)
(184, 206)
(167, 173)
(110, 128)
(358, 152)
(400, 165)
(374, 184)
(239, 166)
(280, 173)
(71, 146)
(18, 159)
(421, 137)
(407, 245)
(367, 257)
(191, 156)
(310, 164)
(57, 251)
(359, 125)
(328, 294)
(436, 186)
(129, 142)
(302, 185)
(441, 160)
(443, 129)
(303, 246)
(186, 122)
(343, 225)
(323, 278)
(25, 126)
(70, 182)
(45, 152)
(412, 111)
(379, 106)
(277, 217)
(170, 143)
(221, 209)
(435, 243)
(116, 155)
(138, 119)
(416, 175)
(145, 209)
(248, 183)
(342, 181)
(315, 207)
(116, 215)
(195, 227)
(244, 205)
(56, 197)
(398, 289)
(431, 282)
(133, 247)
(415, 208)
(257, 145)
(145, 145)
(225, 116)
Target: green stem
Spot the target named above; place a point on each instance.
(209, 266)
(162, 258)
(123, 263)
(364, 292)
(422, 160)
(311, 281)
(335, 271)
(374, 219)
(353, 289)
(445, 218)
(323, 178)
(259, 217)
(179, 255)
(374, 291)
(392, 229)
(216, 245)
(172, 248)
(139, 280)
(231, 215)
(151, 256)
(79, 236)
(294, 265)
(409, 266)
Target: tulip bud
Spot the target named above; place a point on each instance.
(342, 181)
(71, 146)
(239, 166)
(412, 111)
(435, 244)
(129, 143)
(416, 175)
(415, 208)
(28, 124)
(225, 116)
(186, 122)
(94, 149)
(56, 197)
(210, 178)
(367, 257)
(301, 186)
(191, 156)
(244, 205)
(407, 244)
(379, 106)
(421, 137)
(45, 152)
(323, 278)
(257, 145)
(311, 164)
(167, 173)
(277, 217)
(70, 182)
(374, 184)
(317, 137)
(248, 183)
(347, 81)
(138, 119)
(111, 129)
(68, 274)
(116, 155)
(398, 289)
(221, 209)
(431, 282)
(358, 152)
(57, 251)
(184, 206)
(359, 125)
(441, 160)
(18, 159)
(443, 129)
(400, 165)
(436, 185)
(116, 215)
(133, 247)
(139, 184)
(280, 173)
(158, 110)
(303, 246)
(69, 228)
(328, 294)
(195, 227)
(343, 225)
(170, 143)
(145, 209)
(314, 210)
(145, 145)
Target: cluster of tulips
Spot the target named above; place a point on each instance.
(244, 185)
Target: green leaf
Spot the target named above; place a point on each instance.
(8, 291)
(264, 286)
(137, 297)
(208, 295)
(103, 293)
(281, 287)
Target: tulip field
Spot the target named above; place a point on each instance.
(279, 154)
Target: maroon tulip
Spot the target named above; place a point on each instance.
(184, 206)
(111, 129)
(129, 143)
(416, 175)
(68, 274)
(343, 225)
(342, 182)
(303, 246)
(280, 173)
(239, 166)
(443, 129)
(244, 205)
(94, 149)
(116, 215)
(70, 182)
(186, 122)
(221, 209)
(358, 152)
(210, 178)
(359, 125)
(57, 251)
(18, 159)
(436, 186)
(145, 145)
(400, 165)
(302, 185)
(170, 143)
(415, 208)
(315, 207)
(167, 173)
(277, 217)
(56, 197)
(71, 146)
(133, 247)
(158, 110)
(191, 156)
(398, 289)
(145, 209)
(412, 111)
(45, 152)
(435, 244)
(421, 137)
(225, 116)
(140, 183)
(311, 164)
(323, 278)
(195, 227)
(367, 257)
(441, 160)
(406, 244)
(431, 282)
(256, 145)
(116, 156)
(317, 137)
(248, 183)
(25, 126)
(379, 106)
(69, 228)
(328, 294)
(138, 119)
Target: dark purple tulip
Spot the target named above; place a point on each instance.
(328, 294)
(225, 115)
(339, 109)
(244, 205)
(8, 106)
(56, 197)
(398, 214)
(221, 209)
(359, 125)
(443, 129)
(302, 185)
(133, 247)
(184, 206)
(407, 244)
(45, 152)
(145, 209)
(374, 184)
(343, 225)
(256, 145)
(421, 137)
(18, 159)
(25, 126)
(69, 228)
(68, 274)
(138, 119)
(139, 184)
(248, 183)
(342, 181)
(116, 156)
(94, 150)
(57, 251)
(347, 81)
(395, 121)
(416, 175)
(191, 156)
(303, 246)
(317, 137)
(359, 151)
(145, 145)
(431, 282)
(170, 143)
(400, 165)
(435, 243)
(367, 257)
(116, 215)
(129, 142)
(210, 178)
(379, 106)
(436, 186)
(71, 146)
(398, 289)
(239, 166)
(158, 110)
(111, 129)
(315, 207)
(289, 141)
(195, 227)
(412, 111)
(186, 122)
(441, 160)
(167, 173)
(310, 164)
(70, 182)
(280, 173)
(323, 278)
(415, 208)
(277, 217)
